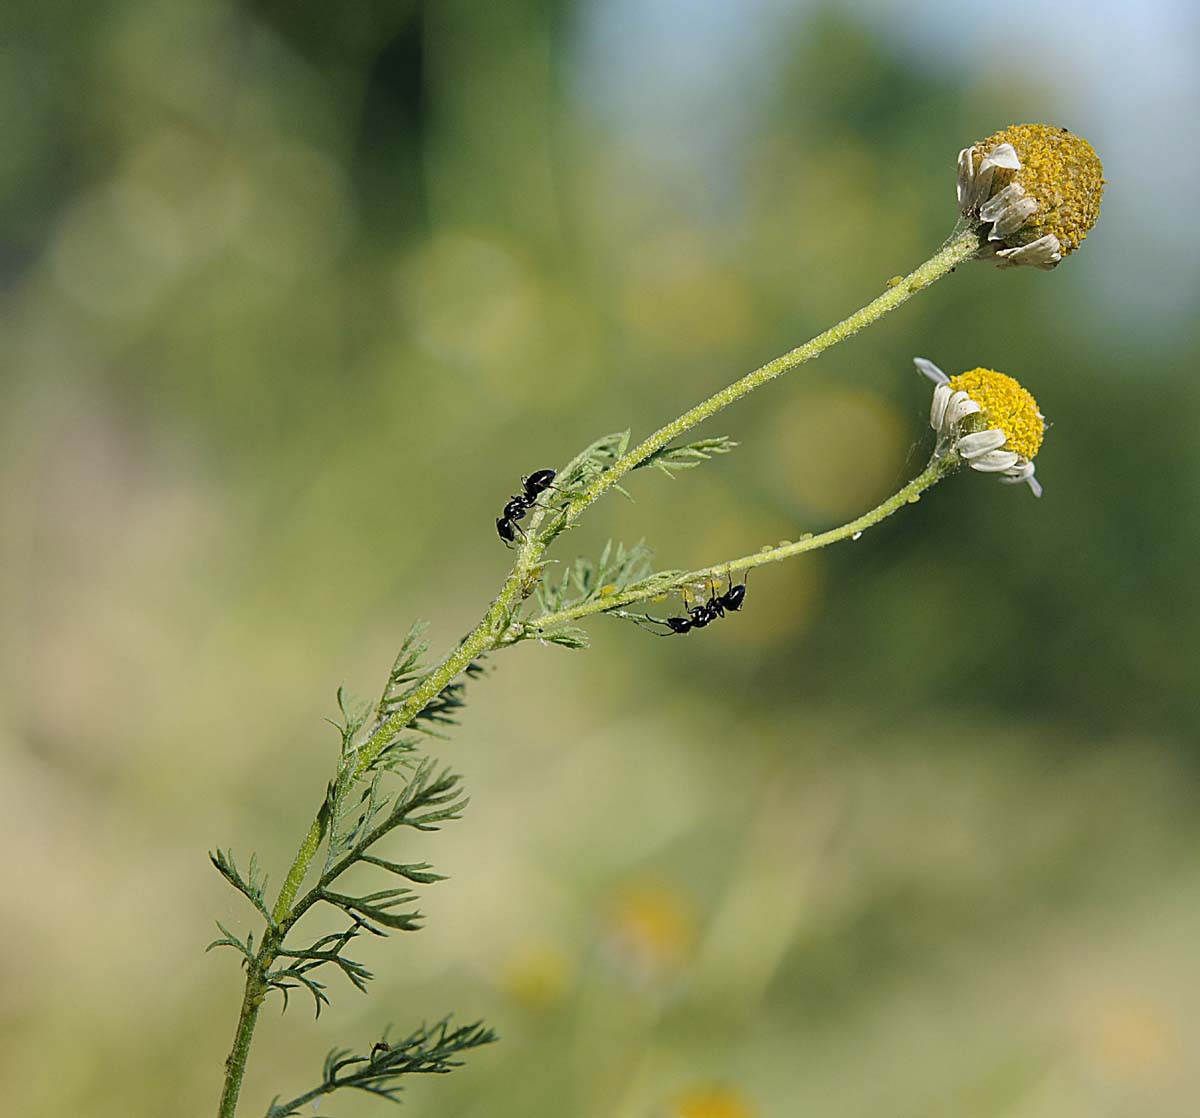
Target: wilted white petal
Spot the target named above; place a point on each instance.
(930, 370)
(1004, 156)
(980, 442)
(981, 187)
(995, 461)
(1043, 253)
(1001, 201)
(1013, 218)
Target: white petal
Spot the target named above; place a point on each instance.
(1013, 218)
(995, 461)
(1002, 155)
(1022, 472)
(930, 370)
(960, 406)
(980, 189)
(1043, 253)
(937, 412)
(1000, 202)
(980, 442)
(966, 177)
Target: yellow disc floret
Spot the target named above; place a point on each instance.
(1061, 172)
(1006, 405)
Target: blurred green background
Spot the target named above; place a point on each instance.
(290, 297)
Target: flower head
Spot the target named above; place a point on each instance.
(989, 420)
(1037, 187)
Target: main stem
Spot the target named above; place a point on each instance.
(235, 1065)
(962, 246)
(491, 627)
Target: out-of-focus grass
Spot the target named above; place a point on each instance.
(287, 297)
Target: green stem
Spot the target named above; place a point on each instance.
(962, 246)
(484, 636)
(937, 469)
(235, 1065)
(519, 584)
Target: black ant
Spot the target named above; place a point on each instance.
(706, 612)
(533, 487)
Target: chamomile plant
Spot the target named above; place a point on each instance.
(1027, 195)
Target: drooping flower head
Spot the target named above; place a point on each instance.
(988, 420)
(1034, 191)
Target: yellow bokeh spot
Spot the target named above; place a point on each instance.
(711, 1102)
(838, 448)
(539, 976)
(655, 923)
(1005, 404)
(1061, 172)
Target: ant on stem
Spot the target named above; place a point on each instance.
(532, 487)
(698, 616)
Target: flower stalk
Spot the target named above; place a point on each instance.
(962, 246)
(937, 469)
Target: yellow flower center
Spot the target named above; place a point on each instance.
(1005, 404)
(1061, 172)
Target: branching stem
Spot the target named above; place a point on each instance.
(496, 623)
(937, 469)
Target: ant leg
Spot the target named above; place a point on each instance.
(714, 604)
(729, 579)
(640, 618)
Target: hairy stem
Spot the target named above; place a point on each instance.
(496, 622)
(962, 246)
(937, 469)
(235, 1064)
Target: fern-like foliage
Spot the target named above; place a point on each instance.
(406, 676)
(364, 804)
(592, 461)
(585, 580)
(617, 570)
(253, 886)
(429, 1050)
(428, 798)
(685, 456)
